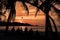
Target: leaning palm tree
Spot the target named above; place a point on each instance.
(46, 7)
(10, 4)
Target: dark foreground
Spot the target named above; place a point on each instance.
(26, 35)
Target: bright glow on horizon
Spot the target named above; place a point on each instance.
(30, 17)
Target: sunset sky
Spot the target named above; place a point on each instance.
(21, 15)
(31, 19)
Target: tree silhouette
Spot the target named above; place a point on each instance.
(57, 11)
(10, 4)
(45, 7)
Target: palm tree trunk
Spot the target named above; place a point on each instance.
(11, 15)
(48, 27)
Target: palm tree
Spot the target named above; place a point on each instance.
(46, 10)
(10, 4)
(46, 7)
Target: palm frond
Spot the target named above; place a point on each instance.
(57, 1)
(57, 11)
(10, 3)
(41, 7)
(25, 7)
(36, 12)
(33, 4)
(36, 2)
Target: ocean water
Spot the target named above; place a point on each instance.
(34, 28)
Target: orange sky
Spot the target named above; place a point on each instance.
(31, 19)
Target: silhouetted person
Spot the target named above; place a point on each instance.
(21, 29)
(18, 30)
(13, 30)
(26, 31)
(31, 33)
(37, 35)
